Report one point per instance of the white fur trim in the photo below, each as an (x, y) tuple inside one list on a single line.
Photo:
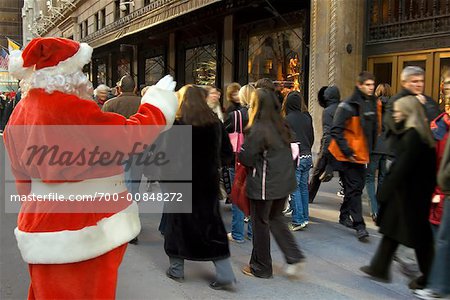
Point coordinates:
[(166, 101), (69, 246), (71, 65), (15, 65)]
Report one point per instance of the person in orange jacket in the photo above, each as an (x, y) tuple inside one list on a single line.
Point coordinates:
[(355, 128)]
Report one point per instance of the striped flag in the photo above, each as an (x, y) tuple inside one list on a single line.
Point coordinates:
[(12, 45), (4, 59)]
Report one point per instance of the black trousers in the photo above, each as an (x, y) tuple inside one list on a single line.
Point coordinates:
[(267, 217), (315, 182), (353, 178), (382, 260)]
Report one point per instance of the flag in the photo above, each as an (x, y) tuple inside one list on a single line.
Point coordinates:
[(4, 59), (12, 45)]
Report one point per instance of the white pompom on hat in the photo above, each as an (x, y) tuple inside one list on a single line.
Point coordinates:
[(52, 56)]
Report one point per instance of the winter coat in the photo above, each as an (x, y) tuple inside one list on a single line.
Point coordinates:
[(355, 128), (300, 123), (126, 104), (440, 128), (232, 107), (201, 235), (431, 109), (229, 122), (405, 194), (444, 171), (331, 99), (271, 171)]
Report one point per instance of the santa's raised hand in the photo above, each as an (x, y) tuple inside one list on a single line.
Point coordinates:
[(162, 95)]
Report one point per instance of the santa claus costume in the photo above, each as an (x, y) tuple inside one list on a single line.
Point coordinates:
[(74, 255)]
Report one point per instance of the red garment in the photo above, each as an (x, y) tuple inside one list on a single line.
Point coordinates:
[(436, 209), (90, 279)]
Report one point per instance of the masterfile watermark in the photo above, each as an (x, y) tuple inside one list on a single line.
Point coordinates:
[(61, 169)]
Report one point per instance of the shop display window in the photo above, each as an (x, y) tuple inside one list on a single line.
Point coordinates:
[(276, 55), (201, 65)]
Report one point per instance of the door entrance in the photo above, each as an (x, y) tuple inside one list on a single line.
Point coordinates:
[(435, 63)]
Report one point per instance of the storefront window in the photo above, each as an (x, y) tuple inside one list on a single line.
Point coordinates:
[(124, 65), (277, 56), (100, 71), (201, 65), (154, 69)]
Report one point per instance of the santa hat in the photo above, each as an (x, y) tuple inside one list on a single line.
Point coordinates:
[(52, 56)]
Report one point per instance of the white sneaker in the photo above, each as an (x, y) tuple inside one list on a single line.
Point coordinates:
[(427, 294), (292, 271), (287, 209), (288, 213)]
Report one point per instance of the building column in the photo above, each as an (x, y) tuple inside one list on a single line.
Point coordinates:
[(227, 50), (336, 51)]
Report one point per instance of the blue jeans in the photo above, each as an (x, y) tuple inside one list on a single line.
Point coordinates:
[(300, 198), (377, 162), (237, 219), (439, 279)]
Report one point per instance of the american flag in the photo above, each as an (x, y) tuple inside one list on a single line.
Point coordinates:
[(4, 59)]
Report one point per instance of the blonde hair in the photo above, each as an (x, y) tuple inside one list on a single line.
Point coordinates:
[(383, 90), (231, 88), (415, 117), (245, 94)]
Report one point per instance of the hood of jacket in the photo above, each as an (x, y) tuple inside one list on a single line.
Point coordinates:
[(293, 102), (332, 95)]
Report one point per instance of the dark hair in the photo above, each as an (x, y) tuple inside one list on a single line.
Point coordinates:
[(296, 97), (193, 109), (127, 84), (321, 96), (266, 83), (364, 76), (265, 117)]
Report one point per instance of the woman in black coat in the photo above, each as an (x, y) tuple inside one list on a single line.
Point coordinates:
[(270, 179), (405, 194), (201, 235)]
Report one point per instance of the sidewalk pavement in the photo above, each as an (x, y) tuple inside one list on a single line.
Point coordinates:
[(333, 255)]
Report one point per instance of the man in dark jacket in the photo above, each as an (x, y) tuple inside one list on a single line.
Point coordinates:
[(323, 170), (354, 135), (412, 81), (127, 103)]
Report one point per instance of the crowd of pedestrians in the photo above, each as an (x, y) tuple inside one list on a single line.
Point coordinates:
[(369, 139), (395, 146)]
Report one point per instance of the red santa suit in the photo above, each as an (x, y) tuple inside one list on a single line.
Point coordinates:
[(74, 255)]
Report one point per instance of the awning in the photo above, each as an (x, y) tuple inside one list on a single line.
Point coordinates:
[(141, 20)]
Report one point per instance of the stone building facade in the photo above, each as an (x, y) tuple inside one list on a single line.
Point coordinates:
[(300, 44)]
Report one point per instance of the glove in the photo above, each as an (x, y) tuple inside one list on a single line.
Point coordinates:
[(166, 83), (162, 96)]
